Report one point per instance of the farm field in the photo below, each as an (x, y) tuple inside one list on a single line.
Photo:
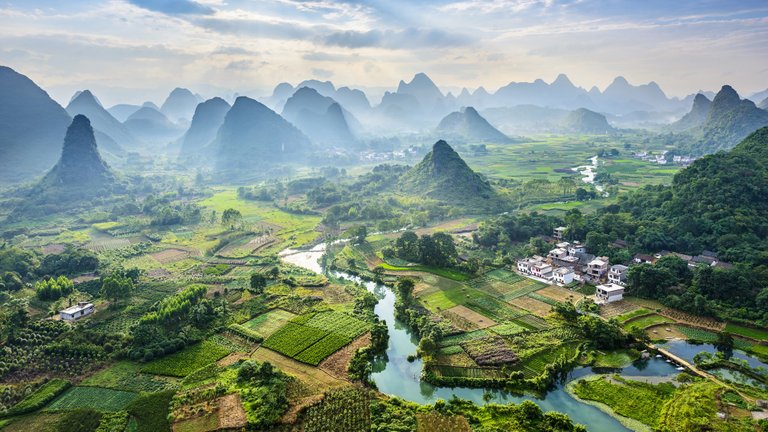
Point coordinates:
[(645, 321), (560, 294), (313, 337), (532, 305), (127, 376), (315, 379), (186, 361), (749, 332), (465, 314), (96, 398), (267, 323)]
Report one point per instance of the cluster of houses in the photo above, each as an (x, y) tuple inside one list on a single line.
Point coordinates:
[(569, 262), (664, 158)]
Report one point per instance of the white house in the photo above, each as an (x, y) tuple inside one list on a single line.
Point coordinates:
[(78, 311), (576, 248), (608, 293), (558, 253), (597, 267), (559, 232), (618, 274), (563, 276), (542, 270)]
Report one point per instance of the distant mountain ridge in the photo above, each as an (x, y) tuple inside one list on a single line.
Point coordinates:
[(85, 103), (729, 120), (584, 121), (252, 135), (320, 117), (468, 124), (208, 118), (32, 126)]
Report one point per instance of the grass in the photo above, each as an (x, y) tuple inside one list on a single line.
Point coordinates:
[(749, 332), (636, 400), (188, 360), (149, 412), (615, 359), (127, 376), (440, 271), (269, 322), (95, 398), (629, 315), (646, 321)]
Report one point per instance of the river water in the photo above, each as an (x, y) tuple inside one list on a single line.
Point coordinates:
[(588, 172), (396, 376)]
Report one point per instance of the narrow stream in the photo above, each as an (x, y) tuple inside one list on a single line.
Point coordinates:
[(396, 376)]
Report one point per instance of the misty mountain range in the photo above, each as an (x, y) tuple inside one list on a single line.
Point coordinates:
[(317, 116)]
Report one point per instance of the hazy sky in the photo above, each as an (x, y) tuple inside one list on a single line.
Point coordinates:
[(133, 50)]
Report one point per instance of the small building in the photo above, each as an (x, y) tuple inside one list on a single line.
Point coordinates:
[(542, 270), (526, 265), (703, 259), (576, 249), (608, 293), (618, 274), (567, 261), (645, 259), (597, 267), (563, 276), (78, 311), (557, 253), (559, 232)]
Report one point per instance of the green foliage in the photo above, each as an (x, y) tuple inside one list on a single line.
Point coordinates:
[(117, 287), (80, 420), (633, 399), (231, 218), (436, 250), (187, 361), (346, 409), (40, 397), (151, 412), (172, 309), (96, 398), (54, 288)]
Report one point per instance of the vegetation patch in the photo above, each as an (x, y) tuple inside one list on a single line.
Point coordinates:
[(40, 397), (96, 398), (646, 321), (188, 360), (269, 322), (127, 376)]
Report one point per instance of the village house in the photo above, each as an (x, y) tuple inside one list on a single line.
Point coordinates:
[(618, 274), (559, 232), (644, 259), (576, 249), (608, 293), (557, 253), (563, 276), (542, 270), (78, 311), (597, 267), (524, 265)]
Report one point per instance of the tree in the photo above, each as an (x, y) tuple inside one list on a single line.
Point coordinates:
[(358, 234), (405, 289), (258, 283), (724, 344), (231, 218), (117, 287)]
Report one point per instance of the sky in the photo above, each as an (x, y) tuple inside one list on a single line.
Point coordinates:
[(129, 51)]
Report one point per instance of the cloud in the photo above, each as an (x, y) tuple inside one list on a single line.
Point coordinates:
[(396, 39), (240, 65), (322, 73), (323, 56), (253, 27), (174, 7)]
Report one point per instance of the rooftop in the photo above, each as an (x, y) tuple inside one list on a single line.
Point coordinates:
[(76, 308), (609, 288)]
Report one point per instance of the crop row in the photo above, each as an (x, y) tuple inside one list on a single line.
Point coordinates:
[(318, 351), (293, 338), (338, 323), (96, 398)]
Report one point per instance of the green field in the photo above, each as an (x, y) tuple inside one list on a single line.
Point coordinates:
[(440, 271), (269, 322), (293, 339), (646, 321), (474, 299), (95, 398), (188, 360), (127, 376), (750, 332)]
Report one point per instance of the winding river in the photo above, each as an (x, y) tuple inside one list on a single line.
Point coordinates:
[(396, 376)]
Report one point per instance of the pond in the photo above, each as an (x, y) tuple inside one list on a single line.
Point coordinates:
[(687, 350), (396, 376)]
